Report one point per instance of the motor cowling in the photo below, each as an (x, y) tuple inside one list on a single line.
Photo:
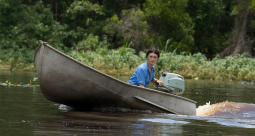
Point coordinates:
[(172, 83)]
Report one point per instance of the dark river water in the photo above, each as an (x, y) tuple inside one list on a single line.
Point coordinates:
[(223, 108)]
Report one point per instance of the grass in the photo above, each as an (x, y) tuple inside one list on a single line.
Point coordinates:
[(18, 66), (114, 62), (16, 60), (124, 61)]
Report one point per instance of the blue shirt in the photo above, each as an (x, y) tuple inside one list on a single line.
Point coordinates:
[(142, 75)]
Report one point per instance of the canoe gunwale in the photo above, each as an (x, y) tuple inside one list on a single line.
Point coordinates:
[(148, 89)]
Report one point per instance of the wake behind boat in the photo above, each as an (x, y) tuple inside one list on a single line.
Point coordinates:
[(65, 80)]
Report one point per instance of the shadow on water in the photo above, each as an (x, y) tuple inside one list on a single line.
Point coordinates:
[(108, 123)]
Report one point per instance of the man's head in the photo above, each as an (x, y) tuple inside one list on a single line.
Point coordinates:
[(152, 56), (153, 50)]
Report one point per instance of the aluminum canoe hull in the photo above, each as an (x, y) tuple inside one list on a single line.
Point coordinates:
[(67, 81)]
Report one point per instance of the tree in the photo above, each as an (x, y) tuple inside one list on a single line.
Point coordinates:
[(131, 26), (168, 19), (241, 41), (213, 24), (22, 26), (83, 18)]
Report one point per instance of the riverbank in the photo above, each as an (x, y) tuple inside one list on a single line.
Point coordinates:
[(18, 67), (123, 62)]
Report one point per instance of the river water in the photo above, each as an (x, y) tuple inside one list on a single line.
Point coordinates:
[(223, 108)]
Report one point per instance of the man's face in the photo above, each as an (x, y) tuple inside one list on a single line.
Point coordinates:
[(152, 58)]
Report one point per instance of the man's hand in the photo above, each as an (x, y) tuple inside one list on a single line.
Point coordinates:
[(156, 80), (141, 85), (160, 83)]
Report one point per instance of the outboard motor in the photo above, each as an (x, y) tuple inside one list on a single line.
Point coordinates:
[(172, 83)]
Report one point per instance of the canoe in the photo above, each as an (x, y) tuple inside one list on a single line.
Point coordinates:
[(67, 81)]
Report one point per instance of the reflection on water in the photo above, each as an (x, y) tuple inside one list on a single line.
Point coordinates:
[(75, 123), (169, 121), (25, 111), (108, 123)]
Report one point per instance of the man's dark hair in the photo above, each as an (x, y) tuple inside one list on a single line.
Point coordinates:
[(152, 50)]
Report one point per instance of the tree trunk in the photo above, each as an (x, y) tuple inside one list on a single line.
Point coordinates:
[(237, 42)]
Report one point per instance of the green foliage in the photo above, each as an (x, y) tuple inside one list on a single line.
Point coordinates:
[(24, 27), (252, 6), (165, 48), (118, 61), (84, 7), (213, 25), (8, 82), (114, 62), (131, 25), (92, 43), (125, 46), (83, 17), (103, 32), (31, 24), (159, 21), (168, 19), (116, 6), (251, 27)]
